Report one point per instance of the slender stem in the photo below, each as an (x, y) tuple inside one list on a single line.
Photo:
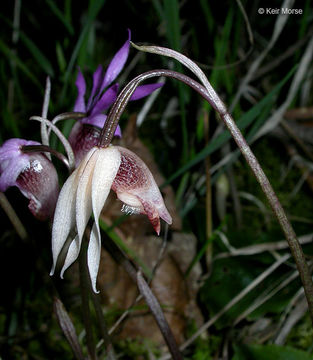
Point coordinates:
[(62, 138), (154, 270), (103, 328), (68, 115), (44, 113), (85, 292), (118, 107), (44, 148), (209, 94), (68, 328), (291, 237), (15, 220), (15, 38), (208, 198), (159, 317), (231, 303)]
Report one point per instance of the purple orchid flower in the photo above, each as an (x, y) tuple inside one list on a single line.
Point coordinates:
[(85, 133), (34, 175)]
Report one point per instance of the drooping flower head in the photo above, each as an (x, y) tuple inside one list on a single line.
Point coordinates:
[(86, 191), (85, 133), (32, 173)]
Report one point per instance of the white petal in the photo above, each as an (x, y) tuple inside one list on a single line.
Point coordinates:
[(83, 195), (72, 254), (106, 168), (64, 216), (93, 256)]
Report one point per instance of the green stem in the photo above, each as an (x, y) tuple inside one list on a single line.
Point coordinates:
[(15, 220), (103, 328), (85, 292)]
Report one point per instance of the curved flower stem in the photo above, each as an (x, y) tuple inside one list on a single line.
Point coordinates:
[(68, 115), (62, 138), (118, 107), (209, 94), (44, 113), (45, 149)]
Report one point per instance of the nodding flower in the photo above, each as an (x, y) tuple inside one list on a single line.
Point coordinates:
[(85, 192), (33, 173), (85, 132)]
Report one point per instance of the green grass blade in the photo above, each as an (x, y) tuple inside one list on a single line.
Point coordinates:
[(171, 12), (220, 140), (19, 63), (95, 7), (63, 18), (37, 54), (221, 45), (158, 8), (172, 19)]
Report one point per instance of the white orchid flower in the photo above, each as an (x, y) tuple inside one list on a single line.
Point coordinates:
[(86, 191)]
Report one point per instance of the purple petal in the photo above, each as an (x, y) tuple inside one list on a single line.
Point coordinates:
[(96, 120), (106, 100), (80, 83), (97, 79), (118, 132), (32, 173), (12, 147), (117, 64), (145, 90), (99, 120), (12, 161), (12, 171)]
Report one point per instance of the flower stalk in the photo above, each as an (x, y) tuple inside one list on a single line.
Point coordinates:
[(47, 149), (62, 138), (209, 94), (85, 292)]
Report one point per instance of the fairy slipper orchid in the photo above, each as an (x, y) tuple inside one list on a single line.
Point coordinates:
[(33, 174), (85, 132), (85, 192)]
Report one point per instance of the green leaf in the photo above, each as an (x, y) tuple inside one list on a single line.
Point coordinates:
[(60, 57), (269, 352), (171, 12), (63, 18), (19, 63), (221, 47), (37, 54), (94, 8), (229, 276)]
